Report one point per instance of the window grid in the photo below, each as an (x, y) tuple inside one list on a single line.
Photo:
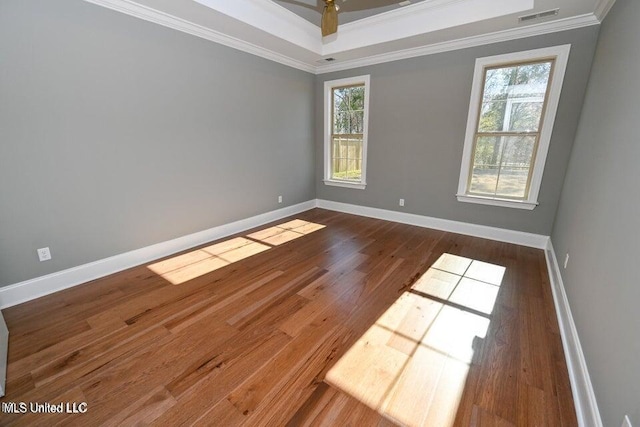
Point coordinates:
[(506, 125), (348, 138)]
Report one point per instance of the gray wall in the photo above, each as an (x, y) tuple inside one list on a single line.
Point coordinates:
[(117, 133), (417, 122), (598, 221)]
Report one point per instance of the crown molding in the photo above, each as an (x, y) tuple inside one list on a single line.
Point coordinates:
[(602, 8), (420, 18), (271, 18), (153, 15), (416, 19), (484, 39), (136, 10)]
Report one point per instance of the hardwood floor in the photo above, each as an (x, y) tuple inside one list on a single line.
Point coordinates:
[(320, 319)]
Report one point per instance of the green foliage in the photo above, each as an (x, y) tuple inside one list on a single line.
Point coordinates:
[(352, 174), (512, 102), (348, 104)]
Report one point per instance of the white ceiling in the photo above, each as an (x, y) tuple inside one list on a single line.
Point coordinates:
[(385, 33)]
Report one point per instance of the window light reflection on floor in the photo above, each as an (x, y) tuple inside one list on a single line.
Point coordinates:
[(196, 263), (286, 232), (411, 365)]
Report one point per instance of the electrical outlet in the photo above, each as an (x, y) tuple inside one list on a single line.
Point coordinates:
[(566, 260), (401, 203), (279, 199), (626, 422), (44, 254)]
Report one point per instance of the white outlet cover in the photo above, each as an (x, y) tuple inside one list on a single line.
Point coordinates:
[(44, 254), (401, 203)]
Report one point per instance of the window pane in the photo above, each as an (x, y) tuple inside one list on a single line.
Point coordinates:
[(348, 110), (501, 165), (342, 123), (352, 149), (356, 120), (339, 147), (496, 83), (347, 158), (484, 176), (340, 99), (492, 116), (357, 98), (353, 170), (513, 98), (525, 115), (514, 171), (340, 168)]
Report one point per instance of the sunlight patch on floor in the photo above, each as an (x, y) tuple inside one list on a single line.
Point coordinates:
[(286, 232), (469, 283), (196, 263), (412, 364)]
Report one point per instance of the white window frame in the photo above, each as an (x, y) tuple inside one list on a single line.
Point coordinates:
[(561, 56), (328, 126)]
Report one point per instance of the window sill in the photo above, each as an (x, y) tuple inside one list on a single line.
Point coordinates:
[(505, 203), (346, 184)]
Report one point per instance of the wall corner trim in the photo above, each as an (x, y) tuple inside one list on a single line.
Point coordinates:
[(40, 286), (492, 233), (583, 394), (602, 8)]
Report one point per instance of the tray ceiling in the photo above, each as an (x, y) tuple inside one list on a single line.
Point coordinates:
[(380, 32)]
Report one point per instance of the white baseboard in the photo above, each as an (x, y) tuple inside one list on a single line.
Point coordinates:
[(44, 285), (583, 395), (538, 241)]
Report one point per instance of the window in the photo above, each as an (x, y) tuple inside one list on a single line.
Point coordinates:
[(346, 112), (514, 100)]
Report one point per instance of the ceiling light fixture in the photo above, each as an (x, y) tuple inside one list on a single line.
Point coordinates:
[(329, 23)]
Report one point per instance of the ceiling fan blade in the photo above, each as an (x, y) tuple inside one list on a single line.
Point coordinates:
[(329, 22)]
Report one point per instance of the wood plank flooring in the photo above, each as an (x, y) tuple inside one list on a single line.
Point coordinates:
[(319, 319)]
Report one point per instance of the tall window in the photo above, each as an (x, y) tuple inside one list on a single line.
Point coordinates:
[(513, 105), (346, 117)]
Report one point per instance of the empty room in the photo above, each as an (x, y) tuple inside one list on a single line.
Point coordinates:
[(319, 213)]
